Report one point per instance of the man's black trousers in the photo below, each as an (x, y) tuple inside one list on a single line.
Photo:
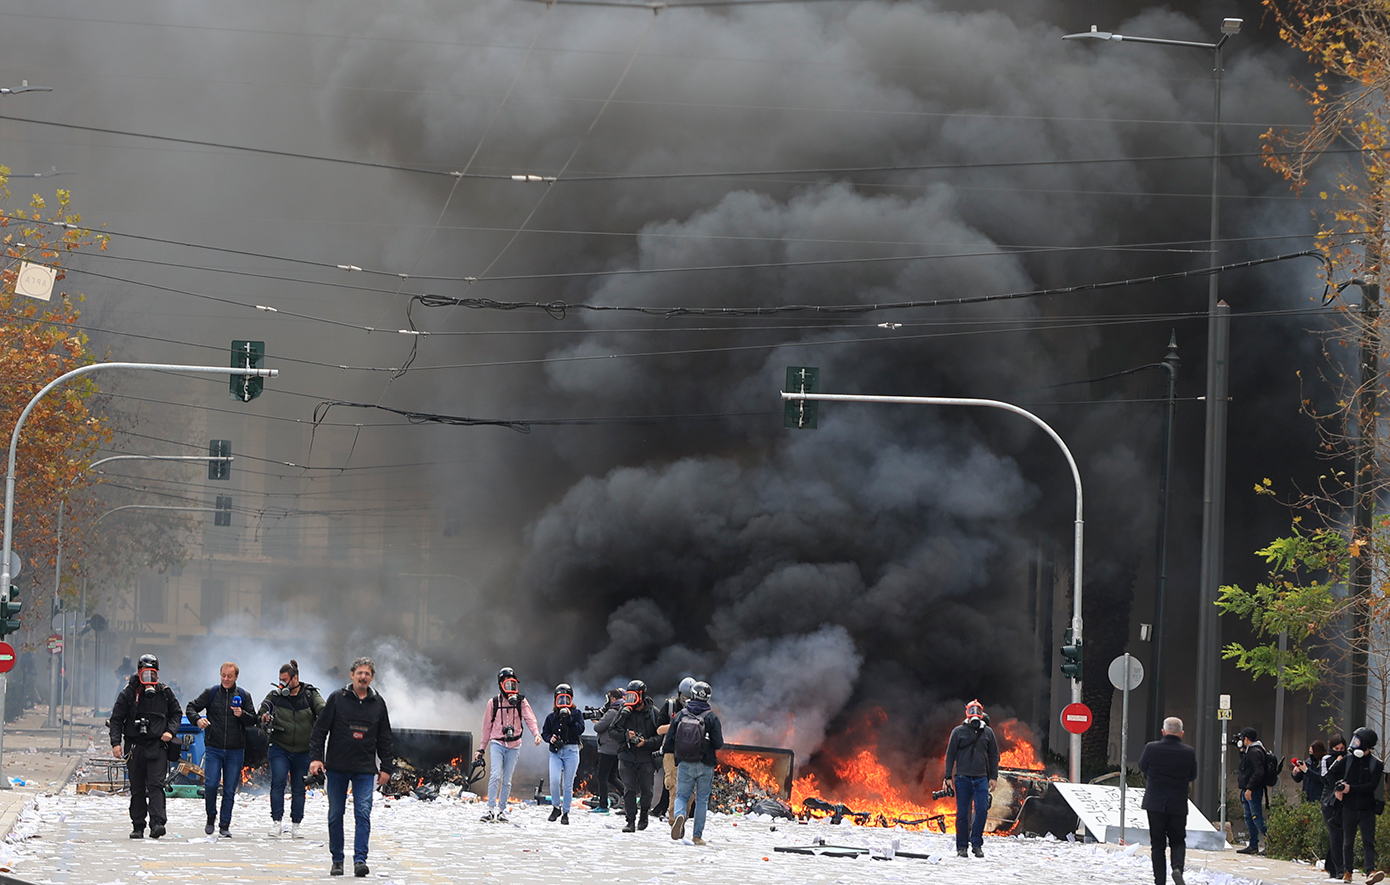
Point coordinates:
[(1167, 831), (147, 766), (637, 781)]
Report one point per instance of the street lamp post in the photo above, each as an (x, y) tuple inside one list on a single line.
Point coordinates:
[(1214, 450), (1074, 749), (6, 544)]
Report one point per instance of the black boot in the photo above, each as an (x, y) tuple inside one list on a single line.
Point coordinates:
[(554, 814), (629, 828), (137, 831)]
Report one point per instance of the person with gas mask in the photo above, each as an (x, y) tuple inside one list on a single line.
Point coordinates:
[(506, 714), (562, 731), (1356, 777), (972, 756), (288, 714), (664, 716), (636, 762), (224, 713), (610, 743), (144, 720)]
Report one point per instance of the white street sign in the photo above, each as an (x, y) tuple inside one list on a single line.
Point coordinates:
[(1118, 676)]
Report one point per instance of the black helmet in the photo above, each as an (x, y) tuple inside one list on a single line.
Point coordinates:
[(148, 662), (701, 691), (1363, 740), (504, 673), (636, 693), (564, 695)]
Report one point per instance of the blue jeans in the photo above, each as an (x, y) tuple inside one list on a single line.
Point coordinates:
[(362, 786), (696, 777), (1254, 814), (291, 767), (563, 765), (221, 767), (970, 827), (501, 763)]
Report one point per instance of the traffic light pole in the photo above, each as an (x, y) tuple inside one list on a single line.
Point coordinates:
[(1074, 748), (7, 544)]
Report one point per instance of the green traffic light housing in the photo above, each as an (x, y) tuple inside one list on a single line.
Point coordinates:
[(1071, 656), (247, 355), (9, 612)]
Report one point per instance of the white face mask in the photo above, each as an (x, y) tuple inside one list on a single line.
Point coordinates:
[(1358, 753)]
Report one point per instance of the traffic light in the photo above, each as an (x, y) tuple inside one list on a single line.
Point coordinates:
[(247, 355), (9, 612), (801, 414), (219, 459), (1071, 656), (223, 514)]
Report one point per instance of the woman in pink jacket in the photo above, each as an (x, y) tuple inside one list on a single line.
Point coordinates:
[(503, 720)]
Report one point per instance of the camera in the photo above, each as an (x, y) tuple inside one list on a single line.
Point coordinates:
[(593, 713), (143, 725), (948, 793), (315, 780), (508, 732)]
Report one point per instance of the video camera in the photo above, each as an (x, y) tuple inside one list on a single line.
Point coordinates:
[(593, 714), (948, 793)]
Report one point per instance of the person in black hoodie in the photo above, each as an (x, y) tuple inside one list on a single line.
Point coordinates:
[(1356, 776), (973, 756), (357, 728), (636, 764), (1332, 807), (1250, 779), (223, 712), (561, 730), (696, 751), (145, 718)]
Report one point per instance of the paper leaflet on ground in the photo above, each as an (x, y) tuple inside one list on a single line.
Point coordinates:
[(1099, 810)]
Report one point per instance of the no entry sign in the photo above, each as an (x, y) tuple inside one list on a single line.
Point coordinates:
[(1076, 718), (7, 657)]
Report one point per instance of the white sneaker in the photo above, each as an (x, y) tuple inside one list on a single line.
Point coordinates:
[(294, 832), (276, 828)]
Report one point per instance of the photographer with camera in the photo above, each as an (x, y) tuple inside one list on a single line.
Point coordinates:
[(144, 719), (1332, 807), (503, 721), (562, 731), (224, 714), (1250, 779), (636, 760), (973, 755), (289, 713), (1358, 780), (610, 742)]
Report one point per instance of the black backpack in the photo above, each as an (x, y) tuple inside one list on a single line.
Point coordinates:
[(1273, 767), (689, 742)]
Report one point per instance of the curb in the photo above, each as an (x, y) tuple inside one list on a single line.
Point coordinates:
[(11, 816)]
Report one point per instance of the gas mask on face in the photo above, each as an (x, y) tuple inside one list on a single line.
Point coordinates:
[(631, 698), (975, 715), (511, 687), (280, 688), (149, 679)]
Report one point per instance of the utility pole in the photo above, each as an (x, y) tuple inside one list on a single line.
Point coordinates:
[(1365, 486), (1157, 699)]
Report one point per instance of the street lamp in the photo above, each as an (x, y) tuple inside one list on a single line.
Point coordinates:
[(1214, 450)]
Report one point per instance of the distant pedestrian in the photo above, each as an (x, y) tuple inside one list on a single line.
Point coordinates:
[(694, 740), (1168, 766), (1250, 779), (289, 713), (357, 729), (636, 762), (973, 755), (144, 720), (610, 741), (1355, 778), (1307, 771), (562, 730), (1332, 808), (507, 714), (224, 713)]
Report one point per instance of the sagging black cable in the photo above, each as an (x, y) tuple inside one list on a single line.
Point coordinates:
[(559, 309), (322, 409)]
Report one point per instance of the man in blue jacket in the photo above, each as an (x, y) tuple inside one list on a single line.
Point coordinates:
[(973, 755), (694, 740), (223, 712), (1168, 766)]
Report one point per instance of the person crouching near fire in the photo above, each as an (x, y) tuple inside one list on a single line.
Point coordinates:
[(973, 756), (503, 721), (562, 729)]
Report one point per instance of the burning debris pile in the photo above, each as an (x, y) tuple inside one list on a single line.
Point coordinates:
[(742, 779), (407, 780)]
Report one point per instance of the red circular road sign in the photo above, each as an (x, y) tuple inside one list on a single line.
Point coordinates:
[(7, 657), (1076, 718)]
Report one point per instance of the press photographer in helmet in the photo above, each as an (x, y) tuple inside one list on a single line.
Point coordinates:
[(1359, 779), (506, 714), (562, 729), (636, 762), (145, 718), (973, 756)]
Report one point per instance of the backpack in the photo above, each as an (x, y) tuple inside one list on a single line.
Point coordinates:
[(1273, 767), (689, 743)]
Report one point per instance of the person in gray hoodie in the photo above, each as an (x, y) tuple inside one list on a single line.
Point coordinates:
[(973, 756), (610, 742)]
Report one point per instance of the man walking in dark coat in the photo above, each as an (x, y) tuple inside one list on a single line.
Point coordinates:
[(1168, 766), (224, 712), (1250, 779), (973, 756), (144, 720)]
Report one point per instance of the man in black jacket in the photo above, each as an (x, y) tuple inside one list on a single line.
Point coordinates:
[(973, 755), (1250, 778), (223, 712), (1168, 766), (636, 764), (145, 718), (357, 728), (695, 759), (1356, 776)]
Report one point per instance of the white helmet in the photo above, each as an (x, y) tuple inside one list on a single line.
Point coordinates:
[(686, 685)]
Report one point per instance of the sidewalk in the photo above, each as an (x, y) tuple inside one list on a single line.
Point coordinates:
[(33, 755)]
